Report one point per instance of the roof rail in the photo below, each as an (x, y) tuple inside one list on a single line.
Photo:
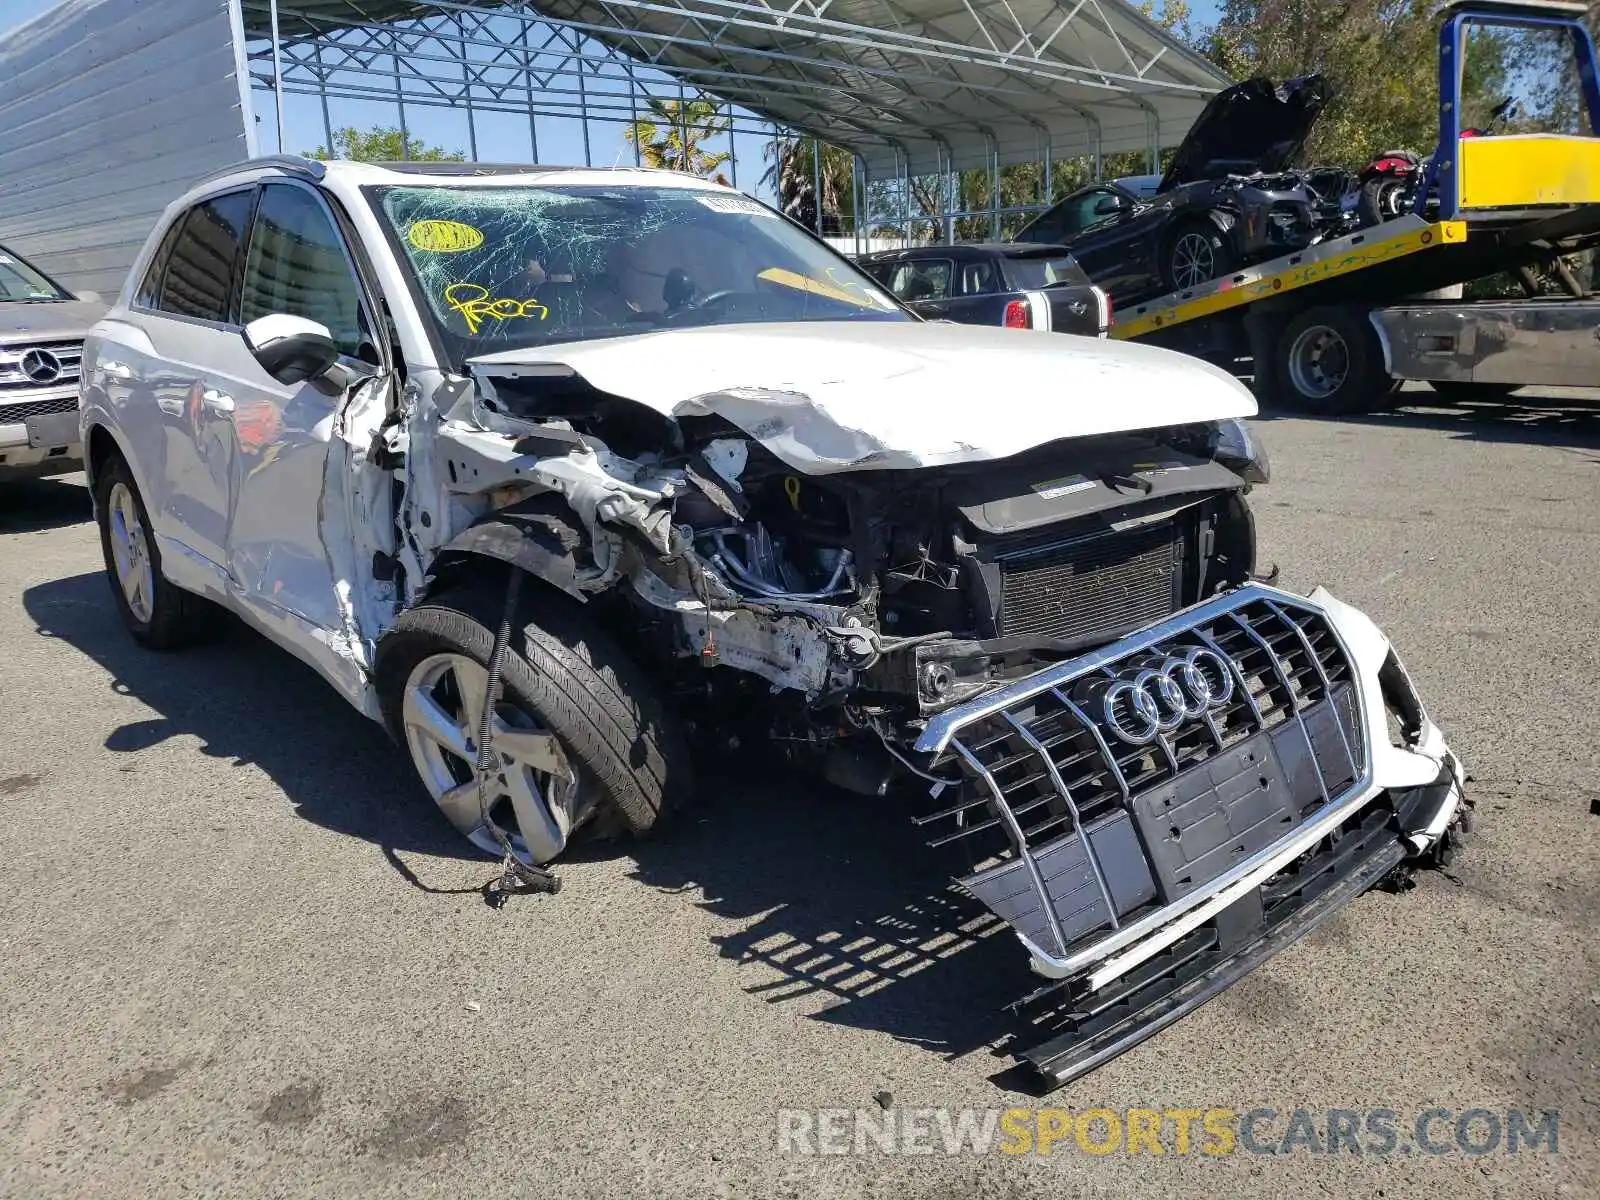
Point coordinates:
[(293, 164)]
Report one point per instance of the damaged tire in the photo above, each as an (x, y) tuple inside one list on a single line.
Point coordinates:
[(159, 615), (580, 732)]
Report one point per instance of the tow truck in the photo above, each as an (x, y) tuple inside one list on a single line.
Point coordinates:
[(1336, 328)]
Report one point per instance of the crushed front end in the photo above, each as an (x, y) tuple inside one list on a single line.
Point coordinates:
[(1158, 816)]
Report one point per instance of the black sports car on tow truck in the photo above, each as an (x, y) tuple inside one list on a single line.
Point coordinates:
[(1227, 200)]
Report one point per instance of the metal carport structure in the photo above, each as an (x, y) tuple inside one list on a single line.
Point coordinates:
[(108, 108), (910, 87)]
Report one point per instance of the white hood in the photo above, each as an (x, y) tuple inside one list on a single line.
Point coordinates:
[(857, 395)]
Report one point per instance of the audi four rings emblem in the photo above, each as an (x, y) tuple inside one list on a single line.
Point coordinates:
[(1156, 699), (40, 366)]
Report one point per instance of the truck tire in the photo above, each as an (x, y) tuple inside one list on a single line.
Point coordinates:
[(1328, 362), (624, 755), (1461, 389), (159, 614), (1196, 252)]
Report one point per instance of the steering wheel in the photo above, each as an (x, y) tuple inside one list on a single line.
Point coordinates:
[(703, 302)]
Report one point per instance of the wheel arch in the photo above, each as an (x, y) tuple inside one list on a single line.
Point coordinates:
[(540, 536), (100, 445)]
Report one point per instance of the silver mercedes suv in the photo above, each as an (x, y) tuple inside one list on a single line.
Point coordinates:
[(42, 326)]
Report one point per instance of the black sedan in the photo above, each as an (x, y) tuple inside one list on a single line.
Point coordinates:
[(1226, 201), (994, 283)]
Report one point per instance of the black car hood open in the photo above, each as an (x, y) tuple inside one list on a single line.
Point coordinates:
[(1254, 126)]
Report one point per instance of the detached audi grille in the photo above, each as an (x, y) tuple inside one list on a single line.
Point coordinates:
[(1141, 772), (1105, 583)]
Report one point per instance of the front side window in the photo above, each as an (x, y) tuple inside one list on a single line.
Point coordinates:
[(296, 264), (199, 275), (507, 267), (22, 281)]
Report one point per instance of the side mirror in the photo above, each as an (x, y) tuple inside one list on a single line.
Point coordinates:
[(1107, 205), (291, 349), (88, 297)]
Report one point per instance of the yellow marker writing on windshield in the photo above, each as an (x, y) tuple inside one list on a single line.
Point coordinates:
[(473, 302), (443, 237), (791, 489)]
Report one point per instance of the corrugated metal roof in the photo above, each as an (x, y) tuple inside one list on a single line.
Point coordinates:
[(904, 83), (108, 110)]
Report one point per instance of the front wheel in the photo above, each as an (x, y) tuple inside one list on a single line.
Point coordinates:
[(579, 732)]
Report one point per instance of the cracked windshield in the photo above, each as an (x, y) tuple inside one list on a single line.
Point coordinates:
[(504, 268)]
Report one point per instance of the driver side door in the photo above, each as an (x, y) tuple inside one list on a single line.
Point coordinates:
[(296, 262), (1110, 242)]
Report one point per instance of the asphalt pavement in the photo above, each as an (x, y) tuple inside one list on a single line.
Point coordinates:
[(240, 955)]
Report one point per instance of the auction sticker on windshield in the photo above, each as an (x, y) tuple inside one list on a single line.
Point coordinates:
[(735, 204)]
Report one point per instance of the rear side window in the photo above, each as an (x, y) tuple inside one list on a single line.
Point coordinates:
[(924, 279), (978, 278), (1030, 273), (199, 274), (297, 265), (149, 294)]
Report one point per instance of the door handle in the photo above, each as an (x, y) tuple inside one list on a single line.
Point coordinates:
[(117, 370), (217, 402)]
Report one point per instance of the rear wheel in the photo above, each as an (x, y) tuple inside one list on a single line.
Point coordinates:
[(1328, 362), (1461, 389), (157, 614), (1197, 253), (1383, 198), (579, 732)]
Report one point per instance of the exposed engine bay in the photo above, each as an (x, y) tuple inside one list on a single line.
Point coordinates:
[(874, 598)]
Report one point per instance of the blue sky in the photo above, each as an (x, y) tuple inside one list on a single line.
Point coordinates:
[(500, 137)]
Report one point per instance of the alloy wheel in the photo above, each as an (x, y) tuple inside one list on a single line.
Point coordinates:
[(1194, 260), (130, 551), (531, 792)]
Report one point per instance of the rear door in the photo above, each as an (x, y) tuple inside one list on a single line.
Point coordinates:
[(176, 416), (979, 293)]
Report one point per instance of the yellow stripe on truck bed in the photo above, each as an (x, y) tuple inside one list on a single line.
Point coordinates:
[(1339, 257)]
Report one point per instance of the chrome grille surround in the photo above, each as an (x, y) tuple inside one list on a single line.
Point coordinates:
[(67, 355), (1079, 873)]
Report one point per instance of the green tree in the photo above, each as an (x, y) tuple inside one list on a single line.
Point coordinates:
[(382, 144), (1379, 58), (793, 173), (673, 137)]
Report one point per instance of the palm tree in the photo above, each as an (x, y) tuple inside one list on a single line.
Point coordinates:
[(673, 137), (792, 173)]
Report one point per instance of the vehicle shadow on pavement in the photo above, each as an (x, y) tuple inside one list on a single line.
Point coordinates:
[(1527, 417), (37, 505), (844, 909), (833, 896), (246, 700)]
